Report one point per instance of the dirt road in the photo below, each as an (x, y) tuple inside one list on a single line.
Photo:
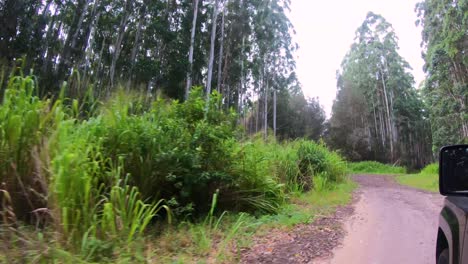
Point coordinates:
[(386, 224), (390, 224)]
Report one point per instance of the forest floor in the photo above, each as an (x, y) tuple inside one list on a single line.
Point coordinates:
[(385, 223)]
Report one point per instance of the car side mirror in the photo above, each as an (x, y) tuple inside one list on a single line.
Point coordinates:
[(453, 170)]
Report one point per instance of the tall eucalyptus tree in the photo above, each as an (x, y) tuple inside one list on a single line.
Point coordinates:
[(378, 114), (445, 40), (192, 43)]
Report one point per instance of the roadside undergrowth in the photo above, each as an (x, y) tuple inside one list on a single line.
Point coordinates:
[(427, 179), (374, 167), (231, 234), (96, 181)]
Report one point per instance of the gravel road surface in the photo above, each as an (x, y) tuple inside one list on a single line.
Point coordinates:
[(390, 224)]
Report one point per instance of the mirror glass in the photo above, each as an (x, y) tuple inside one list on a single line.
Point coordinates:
[(454, 170)]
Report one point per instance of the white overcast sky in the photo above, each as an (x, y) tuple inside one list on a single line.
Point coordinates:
[(325, 30)]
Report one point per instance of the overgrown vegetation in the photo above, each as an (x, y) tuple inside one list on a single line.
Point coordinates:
[(88, 182), (427, 179), (374, 167)]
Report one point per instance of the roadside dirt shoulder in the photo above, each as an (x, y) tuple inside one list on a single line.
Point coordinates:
[(304, 243)]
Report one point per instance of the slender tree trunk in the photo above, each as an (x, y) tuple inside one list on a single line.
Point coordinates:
[(265, 111), (239, 105), (220, 59), (382, 130), (257, 115), (228, 102), (49, 28), (241, 88), (70, 41), (80, 24), (389, 125), (212, 48), (274, 113), (99, 63), (118, 43), (192, 43), (90, 39), (73, 48), (136, 44), (392, 113), (251, 120), (376, 128), (225, 70), (46, 47)]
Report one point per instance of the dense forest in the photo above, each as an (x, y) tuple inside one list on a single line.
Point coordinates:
[(379, 114), (241, 48), (119, 117)]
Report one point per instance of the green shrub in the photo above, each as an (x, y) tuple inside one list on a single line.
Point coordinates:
[(431, 169), (374, 167), (171, 151), (315, 159), (177, 152), (293, 164)]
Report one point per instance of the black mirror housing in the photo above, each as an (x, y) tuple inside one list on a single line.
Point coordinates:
[(453, 170)]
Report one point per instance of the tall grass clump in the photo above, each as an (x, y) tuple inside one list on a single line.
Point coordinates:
[(93, 200), (298, 166), (319, 167), (284, 163), (258, 185), (26, 122), (375, 167), (53, 174)]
